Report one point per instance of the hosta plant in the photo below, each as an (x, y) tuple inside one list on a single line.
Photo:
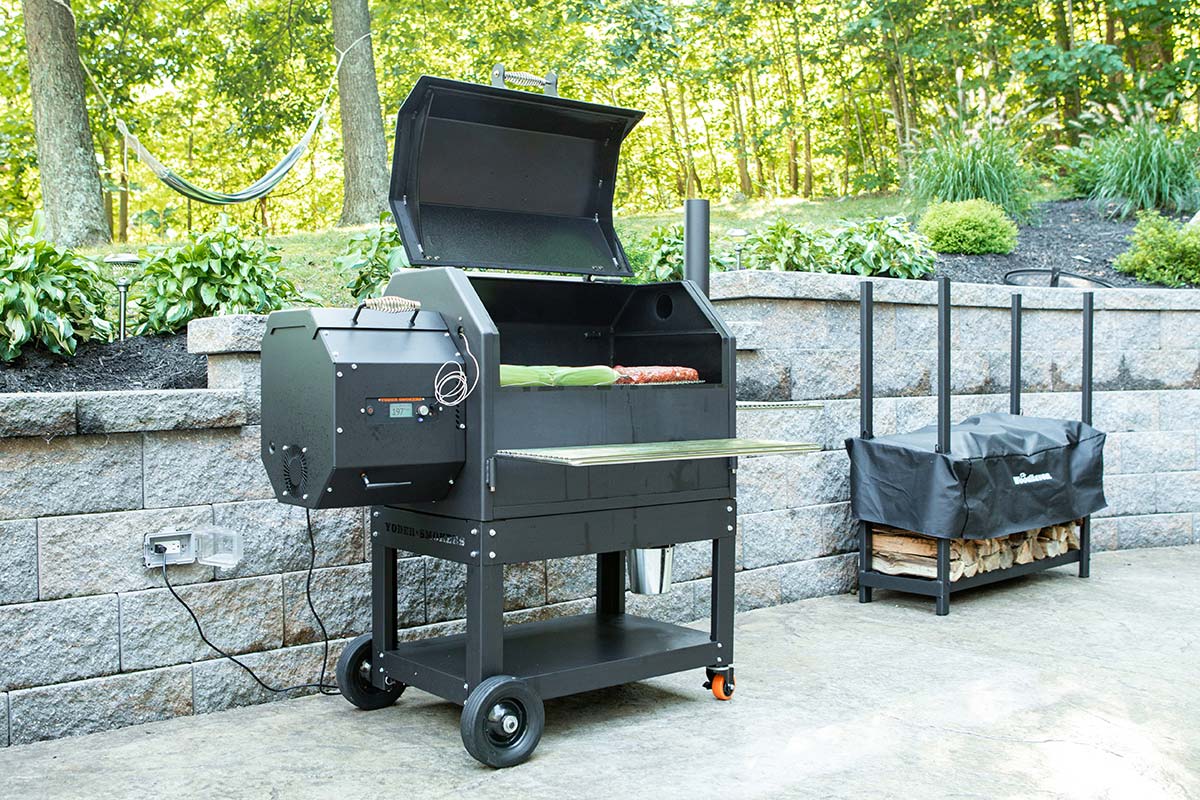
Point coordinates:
[(371, 257), (50, 297), (215, 272)]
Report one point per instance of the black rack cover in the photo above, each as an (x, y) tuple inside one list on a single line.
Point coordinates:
[(507, 179), (1004, 474)]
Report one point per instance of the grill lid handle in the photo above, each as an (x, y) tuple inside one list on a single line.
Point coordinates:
[(389, 304), (548, 84)]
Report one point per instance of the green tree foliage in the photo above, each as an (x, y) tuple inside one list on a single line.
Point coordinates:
[(216, 272), (1162, 251), (744, 98), (968, 226), (49, 296)]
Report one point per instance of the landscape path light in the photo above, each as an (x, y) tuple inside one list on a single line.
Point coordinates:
[(123, 283), (739, 237)]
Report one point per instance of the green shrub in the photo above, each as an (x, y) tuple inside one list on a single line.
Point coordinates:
[(1162, 251), (664, 260), (371, 257), (216, 272), (888, 247), (1144, 166), (786, 246), (968, 226), (964, 163), (49, 296)]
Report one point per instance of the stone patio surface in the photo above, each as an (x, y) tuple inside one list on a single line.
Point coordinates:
[(1048, 686)]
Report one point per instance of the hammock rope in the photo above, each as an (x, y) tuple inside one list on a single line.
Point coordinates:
[(256, 190)]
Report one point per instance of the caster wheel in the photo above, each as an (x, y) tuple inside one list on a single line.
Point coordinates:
[(721, 682), (354, 677), (502, 721)]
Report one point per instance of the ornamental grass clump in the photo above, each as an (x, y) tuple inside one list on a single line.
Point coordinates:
[(1145, 166), (970, 227), (961, 162), (50, 297)]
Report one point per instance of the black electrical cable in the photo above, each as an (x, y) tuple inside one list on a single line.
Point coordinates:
[(320, 685)]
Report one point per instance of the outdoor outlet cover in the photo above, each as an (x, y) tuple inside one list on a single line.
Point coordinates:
[(181, 548)]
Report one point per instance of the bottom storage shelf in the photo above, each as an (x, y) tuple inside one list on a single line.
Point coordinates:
[(905, 553), (560, 656)]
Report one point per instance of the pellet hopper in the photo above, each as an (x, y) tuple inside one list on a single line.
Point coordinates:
[(403, 404)]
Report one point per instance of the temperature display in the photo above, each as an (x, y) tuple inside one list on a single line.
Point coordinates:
[(400, 410)]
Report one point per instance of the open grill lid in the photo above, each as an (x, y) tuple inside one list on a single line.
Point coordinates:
[(507, 179)]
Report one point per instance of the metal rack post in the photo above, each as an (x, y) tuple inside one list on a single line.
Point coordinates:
[(943, 366), (866, 404), (1085, 530), (1014, 366)]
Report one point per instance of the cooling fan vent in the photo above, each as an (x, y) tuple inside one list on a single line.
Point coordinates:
[(295, 470)]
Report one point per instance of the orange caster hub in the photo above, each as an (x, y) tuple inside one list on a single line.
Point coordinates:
[(721, 683)]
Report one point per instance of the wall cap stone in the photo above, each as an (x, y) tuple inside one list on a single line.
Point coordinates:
[(159, 410), (770, 284), (37, 414), (230, 333)]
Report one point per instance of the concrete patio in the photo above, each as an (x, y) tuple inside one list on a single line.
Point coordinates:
[(1047, 686)]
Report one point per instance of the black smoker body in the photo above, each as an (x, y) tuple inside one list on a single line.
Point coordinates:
[(491, 177), (990, 475)]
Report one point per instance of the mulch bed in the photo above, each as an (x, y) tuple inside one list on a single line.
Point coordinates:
[(139, 362), (1072, 235)]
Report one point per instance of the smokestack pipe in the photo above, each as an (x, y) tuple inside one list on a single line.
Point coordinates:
[(695, 243)]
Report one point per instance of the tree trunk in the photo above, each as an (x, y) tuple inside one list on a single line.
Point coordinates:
[(70, 181), (364, 149), (739, 132), (693, 188), (123, 201)]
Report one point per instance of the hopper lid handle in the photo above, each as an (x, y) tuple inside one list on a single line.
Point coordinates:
[(548, 84), (389, 304)]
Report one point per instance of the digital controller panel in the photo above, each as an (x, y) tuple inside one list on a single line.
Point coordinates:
[(388, 409)]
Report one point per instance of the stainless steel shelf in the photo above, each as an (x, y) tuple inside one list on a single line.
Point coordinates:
[(647, 452)]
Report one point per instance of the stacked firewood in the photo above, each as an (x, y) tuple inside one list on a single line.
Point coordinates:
[(899, 552)]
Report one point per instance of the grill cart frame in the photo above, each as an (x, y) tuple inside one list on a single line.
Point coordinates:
[(494, 178), (942, 587)]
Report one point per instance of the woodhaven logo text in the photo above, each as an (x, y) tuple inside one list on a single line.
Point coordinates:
[(1038, 477)]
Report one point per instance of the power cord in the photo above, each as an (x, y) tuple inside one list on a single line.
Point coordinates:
[(320, 685)]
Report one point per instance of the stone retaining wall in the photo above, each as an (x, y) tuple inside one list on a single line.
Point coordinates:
[(90, 640)]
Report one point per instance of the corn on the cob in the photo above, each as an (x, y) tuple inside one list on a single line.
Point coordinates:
[(597, 375), (518, 375)]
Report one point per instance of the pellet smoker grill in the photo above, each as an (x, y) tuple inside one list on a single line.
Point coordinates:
[(399, 405)]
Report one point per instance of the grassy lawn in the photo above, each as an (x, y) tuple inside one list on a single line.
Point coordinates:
[(308, 257)]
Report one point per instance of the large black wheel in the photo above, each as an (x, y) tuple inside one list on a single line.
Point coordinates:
[(502, 721), (354, 677)]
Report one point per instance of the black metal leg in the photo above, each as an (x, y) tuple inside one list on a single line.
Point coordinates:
[(383, 602), (485, 622), (1085, 548), (723, 568), (864, 560), (943, 577), (610, 583)]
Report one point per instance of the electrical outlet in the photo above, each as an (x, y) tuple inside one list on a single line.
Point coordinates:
[(179, 545)]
